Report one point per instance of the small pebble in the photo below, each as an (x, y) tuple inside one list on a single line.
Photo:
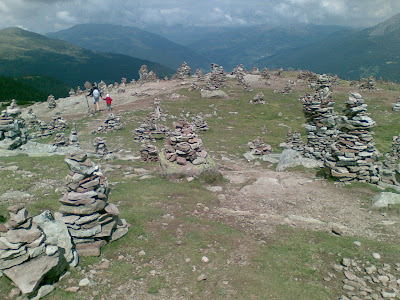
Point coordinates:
[(205, 259), (357, 243), (201, 277), (376, 255), (120, 257), (187, 260), (153, 273), (142, 253), (72, 289), (84, 282)]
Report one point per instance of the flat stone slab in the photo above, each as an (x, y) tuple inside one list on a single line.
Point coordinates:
[(217, 94), (384, 199)]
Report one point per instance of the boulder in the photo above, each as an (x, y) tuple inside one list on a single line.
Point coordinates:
[(216, 94), (384, 199)]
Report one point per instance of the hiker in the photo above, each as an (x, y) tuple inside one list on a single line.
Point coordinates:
[(94, 91), (108, 99)]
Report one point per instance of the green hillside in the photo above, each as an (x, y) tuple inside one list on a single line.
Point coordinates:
[(131, 41), (31, 88), (26, 53)]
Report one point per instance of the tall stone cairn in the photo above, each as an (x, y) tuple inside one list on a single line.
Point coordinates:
[(258, 99), (321, 125), (148, 152), (258, 147), (389, 170), (368, 83), (12, 128), (396, 106), (183, 146), (111, 123), (352, 157), (51, 101), (183, 71), (265, 74), (199, 124), (217, 78), (145, 75), (90, 219), (100, 146)]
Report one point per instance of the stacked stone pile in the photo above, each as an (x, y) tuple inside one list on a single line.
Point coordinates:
[(265, 75), (183, 146), (112, 123), (34, 251), (100, 146), (388, 168), (396, 106), (279, 73), (217, 78), (57, 123), (73, 138), (193, 86), (307, 75), (295, 141), (150, 130), (91, 221), (51, 101), (352, 157), (148, 152), (368, 83), (258, 99), (145, 75), (199, 124), (365, 280), (88, 86), (258, 147), (12, 128), (79, 91), (60, 140), (255, 71), (72, 92), (321, 125), (103, 87), (31, 120), (324, 86), (288, 88), (183, 71)]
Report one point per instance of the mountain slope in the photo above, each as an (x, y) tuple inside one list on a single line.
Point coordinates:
[(247, 44), (131, 41), (27, 53), (373, 51)]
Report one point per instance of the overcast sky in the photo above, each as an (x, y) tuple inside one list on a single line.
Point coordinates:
[(44, 16)]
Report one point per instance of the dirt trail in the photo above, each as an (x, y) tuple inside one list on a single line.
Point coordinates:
[(265, 198)]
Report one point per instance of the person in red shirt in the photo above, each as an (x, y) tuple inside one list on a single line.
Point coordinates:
[(108, 99)]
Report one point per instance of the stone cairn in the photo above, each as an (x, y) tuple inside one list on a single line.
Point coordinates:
[(279, 72), (34, 251), (148, 152), (258, 99), (255, 71), (321, 125), (388, 168), (12, 128), (294, 141), (258, 147), (183, 71), (288, 88), (73, 138), (31, 120), (145, 75), (72, 92), (112, 123), (368, 83), (103, 87), (265, 75), (396, 106), (150, 130), (60, 140), (199, 124), (199, 75), (51, 101), (352, 157), (217, 78), (307, 75), (56, 125), (91, 221), (183, 146), (193, 86), (100, 146)]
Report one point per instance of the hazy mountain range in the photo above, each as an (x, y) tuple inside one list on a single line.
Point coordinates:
[(131, 41)]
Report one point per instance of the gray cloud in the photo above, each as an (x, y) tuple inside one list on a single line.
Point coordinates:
[(52, 15)]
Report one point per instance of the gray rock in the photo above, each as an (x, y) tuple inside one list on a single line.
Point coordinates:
[(213, 94), (43, 291), (384, 199), (291, 158), (29, 275), (56, 233)]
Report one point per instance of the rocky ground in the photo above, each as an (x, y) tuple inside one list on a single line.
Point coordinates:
[(253, 199)]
